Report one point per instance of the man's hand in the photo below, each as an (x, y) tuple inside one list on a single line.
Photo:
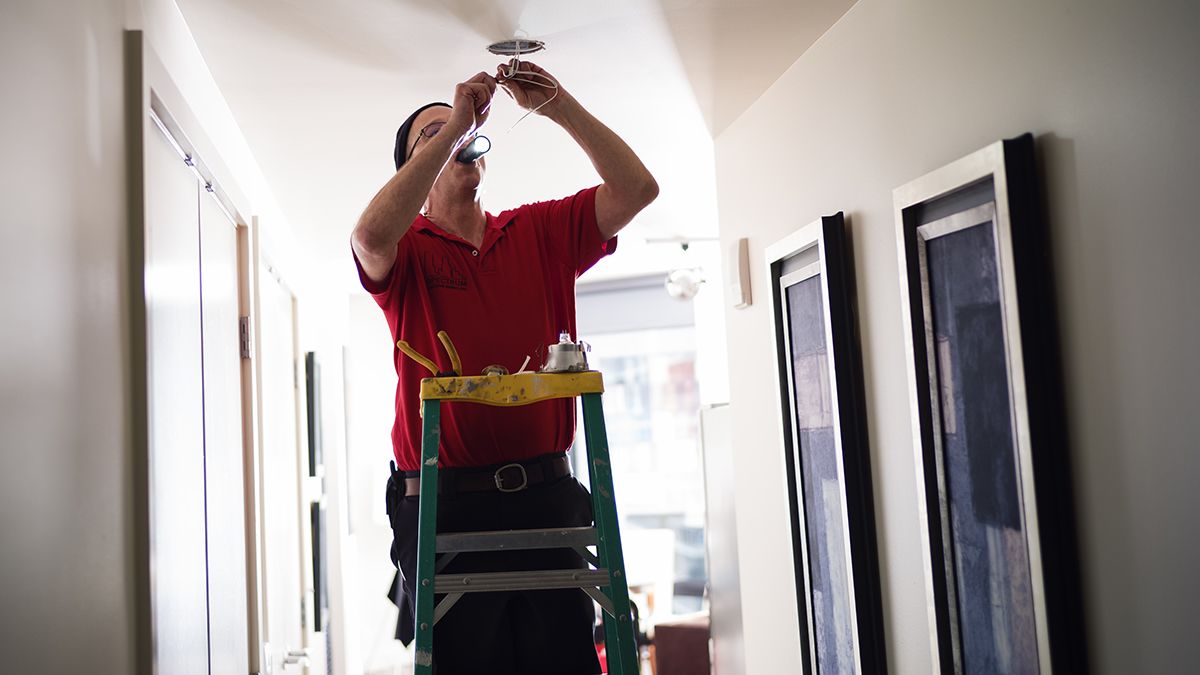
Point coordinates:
[(472, 104), (534, 91), (627, 185)]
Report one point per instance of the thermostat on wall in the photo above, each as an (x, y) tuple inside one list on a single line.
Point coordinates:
[(738, 267)]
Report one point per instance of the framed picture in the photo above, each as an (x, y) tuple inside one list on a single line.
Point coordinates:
[(825, 441), (320, 565), (312, 383), (981, 346)]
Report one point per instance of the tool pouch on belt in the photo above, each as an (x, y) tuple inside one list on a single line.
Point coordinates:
[(399, 593), (393, 496)]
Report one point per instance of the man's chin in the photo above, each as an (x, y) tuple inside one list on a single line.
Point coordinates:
[(467, 177)]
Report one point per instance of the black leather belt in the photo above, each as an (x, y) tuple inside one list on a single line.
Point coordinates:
[(512, 477)]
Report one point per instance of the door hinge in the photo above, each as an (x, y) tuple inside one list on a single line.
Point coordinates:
[(244, 336)]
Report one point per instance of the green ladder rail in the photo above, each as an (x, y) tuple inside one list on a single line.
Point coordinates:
[(604, 582)]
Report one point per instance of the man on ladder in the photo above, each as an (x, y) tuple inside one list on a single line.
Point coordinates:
[(504, 287)]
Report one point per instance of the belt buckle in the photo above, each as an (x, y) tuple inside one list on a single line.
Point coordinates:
[(500, 479)]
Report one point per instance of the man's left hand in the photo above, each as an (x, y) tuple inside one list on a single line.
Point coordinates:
[(528, 90)]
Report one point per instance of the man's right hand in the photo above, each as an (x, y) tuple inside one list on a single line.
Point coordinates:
[(472, 104)]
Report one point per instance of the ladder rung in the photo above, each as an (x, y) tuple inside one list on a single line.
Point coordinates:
[(531, 580), (516, 540)]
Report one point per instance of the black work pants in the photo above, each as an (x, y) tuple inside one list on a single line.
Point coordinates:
[(514, 632)]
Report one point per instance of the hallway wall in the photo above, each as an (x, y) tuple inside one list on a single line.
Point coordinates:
[(897, 89), (66, 562), (69, 569)]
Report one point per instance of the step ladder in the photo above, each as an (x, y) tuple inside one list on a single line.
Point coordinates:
[(604, 582)]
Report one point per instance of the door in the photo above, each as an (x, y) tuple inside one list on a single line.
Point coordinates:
[(175, 407), (223, 449), (282, 584)]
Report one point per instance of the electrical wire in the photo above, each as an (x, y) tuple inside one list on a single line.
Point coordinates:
[(514, 70)]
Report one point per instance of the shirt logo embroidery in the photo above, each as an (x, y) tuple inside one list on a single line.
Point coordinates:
[(439, 273)]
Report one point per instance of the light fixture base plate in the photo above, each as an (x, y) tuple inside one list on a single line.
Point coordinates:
[(516, 47)]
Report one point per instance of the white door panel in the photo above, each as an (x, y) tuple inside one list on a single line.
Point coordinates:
[(223, 442), (283, 590), (175, 410)]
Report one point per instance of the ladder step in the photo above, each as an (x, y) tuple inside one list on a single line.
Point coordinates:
[(516, 540), (532, 580)]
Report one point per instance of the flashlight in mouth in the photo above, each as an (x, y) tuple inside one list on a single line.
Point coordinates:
[(474, 150)]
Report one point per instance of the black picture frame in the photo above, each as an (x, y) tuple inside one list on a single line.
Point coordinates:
[(981, 344), (813, 301), (312, 385), (320, 565)]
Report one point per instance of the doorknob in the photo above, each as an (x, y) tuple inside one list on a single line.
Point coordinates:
[(295, 657)]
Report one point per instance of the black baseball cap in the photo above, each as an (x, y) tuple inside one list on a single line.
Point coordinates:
[(406, 128)]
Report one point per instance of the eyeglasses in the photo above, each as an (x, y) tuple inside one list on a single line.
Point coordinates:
[(428, 131)]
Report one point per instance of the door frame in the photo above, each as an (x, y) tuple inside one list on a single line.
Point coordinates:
[(259, 257), (152, 99)]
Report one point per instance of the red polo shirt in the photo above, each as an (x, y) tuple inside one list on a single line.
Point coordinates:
[(505, 300)]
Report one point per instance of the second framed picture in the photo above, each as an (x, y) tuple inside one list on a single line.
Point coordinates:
[(825, 443), (988, 424)]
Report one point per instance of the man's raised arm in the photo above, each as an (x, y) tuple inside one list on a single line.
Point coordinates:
[(393, 209), (628, 186)]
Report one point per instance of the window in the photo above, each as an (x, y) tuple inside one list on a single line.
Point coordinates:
[(651, 411)]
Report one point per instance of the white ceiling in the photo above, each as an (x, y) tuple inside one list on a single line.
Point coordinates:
[(319, 87)]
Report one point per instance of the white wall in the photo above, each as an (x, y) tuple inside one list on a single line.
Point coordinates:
[(898, 88), (370, 404), (66, 562), (167, 33)]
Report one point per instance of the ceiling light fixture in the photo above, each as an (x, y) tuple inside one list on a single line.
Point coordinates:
[(516, 47), (512, 72), (684, 283)]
